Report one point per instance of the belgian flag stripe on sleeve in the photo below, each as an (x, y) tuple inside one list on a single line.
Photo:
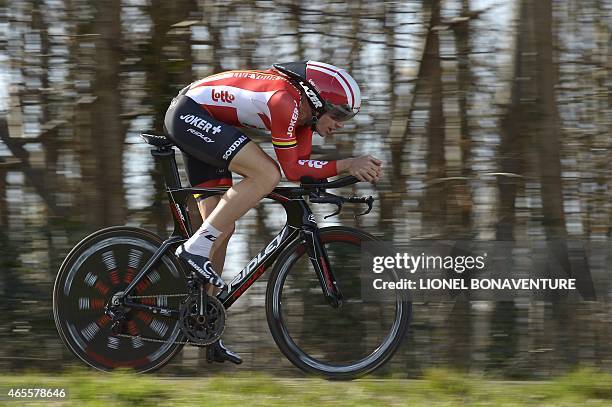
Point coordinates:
[(284, 144)]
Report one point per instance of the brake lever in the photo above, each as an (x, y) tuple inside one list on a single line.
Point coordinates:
[(339, 201), (369, 201), (339, 204)]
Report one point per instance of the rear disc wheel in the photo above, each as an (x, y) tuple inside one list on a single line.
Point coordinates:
[(100, 266)]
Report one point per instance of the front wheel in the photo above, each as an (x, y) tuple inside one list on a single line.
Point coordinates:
[(101, 265), (337, 343)]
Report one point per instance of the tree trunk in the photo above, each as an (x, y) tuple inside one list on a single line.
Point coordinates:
[(547, 127), (165, 79), (434, 199)]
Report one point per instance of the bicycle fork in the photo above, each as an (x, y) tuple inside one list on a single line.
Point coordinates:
[(318, 257)]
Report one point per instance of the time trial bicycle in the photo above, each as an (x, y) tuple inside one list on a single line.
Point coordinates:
[(122, 299)]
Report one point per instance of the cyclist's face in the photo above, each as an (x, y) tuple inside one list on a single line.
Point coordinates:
[(327, 125)]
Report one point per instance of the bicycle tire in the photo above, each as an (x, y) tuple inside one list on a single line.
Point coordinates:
[(281, 330), (75, 315)]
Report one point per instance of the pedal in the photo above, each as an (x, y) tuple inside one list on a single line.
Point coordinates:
[(117, 327)]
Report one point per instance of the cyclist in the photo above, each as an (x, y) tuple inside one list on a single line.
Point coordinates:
[(290, 101)]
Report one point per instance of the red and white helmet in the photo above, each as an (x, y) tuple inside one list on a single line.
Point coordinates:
[(328, 89)]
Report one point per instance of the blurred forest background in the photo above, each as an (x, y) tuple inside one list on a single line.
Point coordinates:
[(493, 118)]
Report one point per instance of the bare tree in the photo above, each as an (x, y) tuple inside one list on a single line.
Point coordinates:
[(434, 198)]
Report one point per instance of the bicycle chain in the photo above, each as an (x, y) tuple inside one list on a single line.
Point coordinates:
[(158, 295), (147, 339)]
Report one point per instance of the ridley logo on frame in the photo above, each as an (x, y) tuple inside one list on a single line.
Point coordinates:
[(272, 246)]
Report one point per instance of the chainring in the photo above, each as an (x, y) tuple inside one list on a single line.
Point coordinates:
[(202, 328)]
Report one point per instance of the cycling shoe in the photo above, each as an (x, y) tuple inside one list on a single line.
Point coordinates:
[(216, 352), (201, 266)]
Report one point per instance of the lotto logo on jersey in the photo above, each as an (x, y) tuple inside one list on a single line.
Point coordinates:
[(313, 163), (223, 96)]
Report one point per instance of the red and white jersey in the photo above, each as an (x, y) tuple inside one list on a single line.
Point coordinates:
[(268, 101)]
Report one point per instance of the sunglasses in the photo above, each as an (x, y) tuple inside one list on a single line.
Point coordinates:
[(340, 113)]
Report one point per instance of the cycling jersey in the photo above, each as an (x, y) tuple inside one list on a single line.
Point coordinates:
[(267, 101)]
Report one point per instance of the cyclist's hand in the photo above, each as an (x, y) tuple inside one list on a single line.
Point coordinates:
[(365, 168)]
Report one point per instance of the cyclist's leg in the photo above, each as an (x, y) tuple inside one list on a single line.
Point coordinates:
[(222, 146), (219, 249), (201, 174), (219, 145), (261, 174), (210, 145)]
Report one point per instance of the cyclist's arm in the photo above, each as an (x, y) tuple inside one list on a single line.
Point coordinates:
[(304, 142), (304, 139), (284, 111)]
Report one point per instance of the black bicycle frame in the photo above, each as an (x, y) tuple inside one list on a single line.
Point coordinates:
[(300, 226)]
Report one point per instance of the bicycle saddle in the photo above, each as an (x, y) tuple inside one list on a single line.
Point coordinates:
[(156, 140)]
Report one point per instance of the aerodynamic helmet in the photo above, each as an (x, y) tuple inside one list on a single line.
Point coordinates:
[(328, 89)]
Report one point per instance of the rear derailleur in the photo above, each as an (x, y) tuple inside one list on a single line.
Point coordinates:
[(117, 313)]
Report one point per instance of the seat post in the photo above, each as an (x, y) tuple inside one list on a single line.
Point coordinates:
[(165, 155)]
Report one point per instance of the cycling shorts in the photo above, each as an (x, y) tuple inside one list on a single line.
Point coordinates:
[(208, 145)]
